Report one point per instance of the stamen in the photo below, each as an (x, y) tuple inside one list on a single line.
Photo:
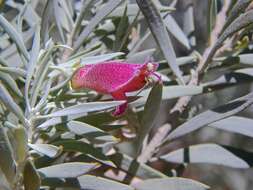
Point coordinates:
[(150, 67)]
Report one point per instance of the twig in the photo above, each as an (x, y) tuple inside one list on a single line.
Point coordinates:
[(156, 141)]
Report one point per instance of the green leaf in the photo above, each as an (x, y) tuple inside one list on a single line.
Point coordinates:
[(151, 110), (169, 92), (44, 97), (186, 60), (160, 34), (8, 101), (99, 58), (31, 177), (205, 153), (89, 60), (101, 14), (81, 128), (84, 129), (99, 183), (176, 31), (13, 70), (58, 17), (141, 56), (133, 9), (32, 64), (46, 16), (85, 148), (212, 12), (7, 162), (85, 108), (4, 185), (173, 183), (121, 31), (211, 116), (246, 59), (86, 5), (6, 78), (41, 73), (15, 36), (21, 139), (66, 170), (46, 149), (235, 124), (143, 171)]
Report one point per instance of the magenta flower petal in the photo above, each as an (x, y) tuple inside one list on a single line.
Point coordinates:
[(113, 77)]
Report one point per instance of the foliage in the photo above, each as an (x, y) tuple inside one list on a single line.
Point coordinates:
[(52, 136)]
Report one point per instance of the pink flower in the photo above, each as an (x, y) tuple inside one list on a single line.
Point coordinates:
[(115, 78)]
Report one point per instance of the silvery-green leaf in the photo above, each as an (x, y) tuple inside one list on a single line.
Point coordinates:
[(46, 149), (172, 183), (32, 64), (85, 108), (31, 176), (99, 183), (211, 116), (176, 31), (246, 59), (160, 34), (151, 110), (8, 101), (206, 153), (169, 92), (7, 162), (141, 170), (91, 60), (11, 83), (14, 35), (235, 124), (107, 9), (66, 170)]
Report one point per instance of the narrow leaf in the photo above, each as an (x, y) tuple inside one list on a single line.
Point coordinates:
[(91, 60), (66, 170), (235, 124), (151, 110), (101, 14), (211, 116), (212, 12), (8, 101), (85, 108), (173, 183), (160, 34), (169, 92), (7, 162), (246, 59), (98, 183), (143, 171), (31, 177), (32, 64), (46, 149), (176, 31), (85, 148), (15, 36), (206, 153), (11, 83)]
